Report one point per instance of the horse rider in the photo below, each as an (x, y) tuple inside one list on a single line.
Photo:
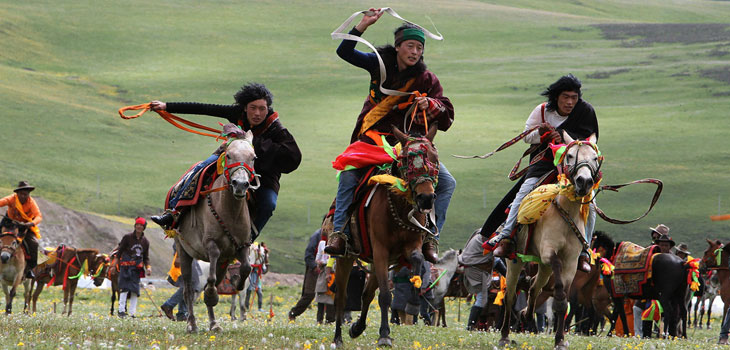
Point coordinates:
[(23, 209), (657, 232), (406, 71), (565, 110), (276, 150), (682, 251), (134, 262)]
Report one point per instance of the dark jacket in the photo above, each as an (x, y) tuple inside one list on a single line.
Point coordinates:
[(425, 82), (133, 252), (276, 150), (311, 252)]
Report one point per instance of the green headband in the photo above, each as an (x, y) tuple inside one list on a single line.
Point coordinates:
[(410, 34)]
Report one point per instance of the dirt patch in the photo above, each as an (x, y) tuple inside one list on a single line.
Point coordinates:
[(645, 34), (284, 279), (607, 74), (718, 73)]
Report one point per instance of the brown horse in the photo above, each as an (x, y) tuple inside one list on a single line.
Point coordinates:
[(67, 272), (555, 241), (716, 258), (218, 229), (112, 274), (12, 264), (392, 236)]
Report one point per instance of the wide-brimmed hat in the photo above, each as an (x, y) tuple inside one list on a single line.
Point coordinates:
[(665, 238), (683, 248), (660, 229), (24, 185)]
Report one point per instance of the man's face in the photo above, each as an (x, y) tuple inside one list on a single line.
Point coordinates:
[(23, 196), (665, 247), (409, 53), (138, 228), (566, 102), (256, 112), (654, 235)]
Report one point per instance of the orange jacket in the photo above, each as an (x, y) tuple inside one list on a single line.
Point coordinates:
[(30, 208)]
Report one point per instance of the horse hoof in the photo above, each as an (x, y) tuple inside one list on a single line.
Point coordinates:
[(215, 327), (338, 343), (386, 341), (192, 329), (356, 330), (210, 298), (506, 342), (563, 345)]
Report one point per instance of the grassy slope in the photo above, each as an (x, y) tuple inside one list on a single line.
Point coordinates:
[(66, 68)]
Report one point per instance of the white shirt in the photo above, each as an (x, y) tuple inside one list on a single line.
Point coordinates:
[(535, 119), (321, 257)]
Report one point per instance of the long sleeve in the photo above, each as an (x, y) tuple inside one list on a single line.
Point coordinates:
[(230, 112), (35, 212), (279, 152), (533, 120), (347, 52), (440, 107), (145, 252), (311, 251)]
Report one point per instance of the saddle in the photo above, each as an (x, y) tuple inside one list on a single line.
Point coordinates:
[(632, 268), (226, 286), (199, 181)]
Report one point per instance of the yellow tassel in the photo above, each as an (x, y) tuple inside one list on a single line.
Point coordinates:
[(694, 286), (498, 299), (416, 280), (170, 233)]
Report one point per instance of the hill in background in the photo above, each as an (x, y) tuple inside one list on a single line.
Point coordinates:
[(657, 73)]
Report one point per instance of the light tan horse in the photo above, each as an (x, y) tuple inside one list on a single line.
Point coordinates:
[(12, 264), (218, 228), (554, 242)]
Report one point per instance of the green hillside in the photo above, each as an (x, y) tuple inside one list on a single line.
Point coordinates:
[(657, 73)]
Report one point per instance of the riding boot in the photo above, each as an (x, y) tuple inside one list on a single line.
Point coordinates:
[(473, 318), (583, 264), (505, 249), (31, 246), (165, 220), (430, 251), (336, 244)]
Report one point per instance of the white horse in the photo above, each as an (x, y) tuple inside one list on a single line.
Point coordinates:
[(218, 228), (554, 242)]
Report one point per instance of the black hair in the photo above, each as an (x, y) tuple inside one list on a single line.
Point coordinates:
[(602, 239), (403, 26), (252, 92), (565, 83)]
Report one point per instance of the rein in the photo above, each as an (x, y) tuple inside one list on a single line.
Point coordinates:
[(172, 119), (615, 188), (571, 223)]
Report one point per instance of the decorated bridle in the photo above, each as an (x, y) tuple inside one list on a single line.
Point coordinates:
[(571, 169), (230, 169), (11, 247), (717, 254), (414, 165)]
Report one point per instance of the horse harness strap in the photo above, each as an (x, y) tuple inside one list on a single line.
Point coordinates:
[(572, 225), (225, 229), (399, 220), (615, 188)]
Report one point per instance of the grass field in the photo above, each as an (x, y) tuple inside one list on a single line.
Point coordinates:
[(657, 73), (90, 327)]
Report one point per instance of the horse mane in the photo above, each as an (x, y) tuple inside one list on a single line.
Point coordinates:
[(87, 251)]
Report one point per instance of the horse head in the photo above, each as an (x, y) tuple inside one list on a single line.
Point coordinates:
[(418, 163), (603, 244), (713, 257), (99, 268), (448, 264), (9, 242), (581, 163), (240, 155)]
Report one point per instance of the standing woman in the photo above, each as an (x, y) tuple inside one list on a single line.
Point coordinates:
[(134, 252)]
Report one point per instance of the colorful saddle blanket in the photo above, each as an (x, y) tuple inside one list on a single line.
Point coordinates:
[(198, 181), (632, 268), (226, 286)]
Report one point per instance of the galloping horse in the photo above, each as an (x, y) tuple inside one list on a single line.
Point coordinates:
[(668, 284), (716, 258), (391, 235), (12, 264), (218, 229), (67, 271), (557, 239)]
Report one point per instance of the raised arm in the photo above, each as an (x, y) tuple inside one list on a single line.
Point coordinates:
[(346, 50)]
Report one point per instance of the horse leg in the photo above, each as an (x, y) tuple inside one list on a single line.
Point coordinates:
[(232, 309), (342, 274), (528, 314), (242, 286), (563, 278), (28, 291), (65, 299), (9, 303), (709, 310), (186, 270), (71, 293), (416, 261), (368, 294), (513, 273), (441, 313), (380, 269), (36, 294)]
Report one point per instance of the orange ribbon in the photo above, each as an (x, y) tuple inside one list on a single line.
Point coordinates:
[(172, 119)]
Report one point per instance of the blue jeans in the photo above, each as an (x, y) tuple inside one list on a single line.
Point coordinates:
[(265, 205), (350, 178), (177, 300), (201, 165)]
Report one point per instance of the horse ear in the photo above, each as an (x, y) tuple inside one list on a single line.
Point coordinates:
[(248, 136), (592, 138), (432, 131), (566, 137), (402, 138), (709, 241)]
